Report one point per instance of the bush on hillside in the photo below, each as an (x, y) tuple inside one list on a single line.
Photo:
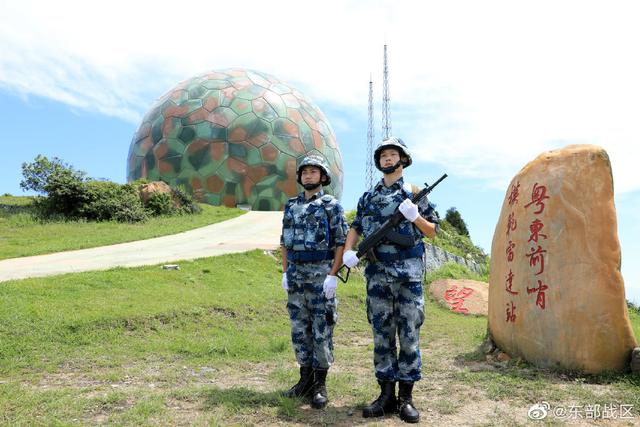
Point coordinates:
[(185, 199), (69, 194), (160, 204), (108, 201), (65, 195), (454, 218), (38, 174)]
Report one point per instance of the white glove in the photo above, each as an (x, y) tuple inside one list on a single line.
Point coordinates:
[(350, 259), (329, 286), (409, 210), (285, 284)]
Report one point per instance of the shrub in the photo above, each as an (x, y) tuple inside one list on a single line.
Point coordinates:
[(454, 218), (38, 174), (108, 201), (186, 201), (66, 195), (160, 204)]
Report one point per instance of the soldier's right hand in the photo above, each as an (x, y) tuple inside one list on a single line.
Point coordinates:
[(285, 284), (350, 258)]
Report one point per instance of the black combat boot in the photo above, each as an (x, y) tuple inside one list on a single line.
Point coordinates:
[(304, 386), (319, 399), (408, 413), (385, 403)]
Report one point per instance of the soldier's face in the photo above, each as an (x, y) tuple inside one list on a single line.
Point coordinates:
[(311, 175), (389, 157)]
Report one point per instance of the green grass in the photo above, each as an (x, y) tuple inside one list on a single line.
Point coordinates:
[(209, 344), (452, 270), (22, 235)]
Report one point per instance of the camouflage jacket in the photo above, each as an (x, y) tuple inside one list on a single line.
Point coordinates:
[(374, 208), (316, 224)]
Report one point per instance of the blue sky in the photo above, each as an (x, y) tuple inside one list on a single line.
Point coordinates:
[(478, 89)]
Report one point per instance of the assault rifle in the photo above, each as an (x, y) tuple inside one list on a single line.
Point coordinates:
[(367, 246)]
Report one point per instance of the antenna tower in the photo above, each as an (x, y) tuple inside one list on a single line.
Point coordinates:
[(386, 113), (370, 133)]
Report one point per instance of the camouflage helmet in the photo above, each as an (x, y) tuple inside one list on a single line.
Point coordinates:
[(317, 161), (392, 142)]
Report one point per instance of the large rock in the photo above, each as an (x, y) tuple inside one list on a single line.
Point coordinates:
[(461, 295), (556, 294), (147, 190)]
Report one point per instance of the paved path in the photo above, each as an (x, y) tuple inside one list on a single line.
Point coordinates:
[(253, 230)]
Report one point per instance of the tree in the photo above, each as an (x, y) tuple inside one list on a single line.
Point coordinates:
[(454, 218), (38, 173)]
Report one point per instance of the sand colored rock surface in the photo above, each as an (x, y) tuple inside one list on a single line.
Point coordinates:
[(556, 295), (147, 190), (461, 295)]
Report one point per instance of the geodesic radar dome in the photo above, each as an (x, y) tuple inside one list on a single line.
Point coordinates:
[(233, 137)]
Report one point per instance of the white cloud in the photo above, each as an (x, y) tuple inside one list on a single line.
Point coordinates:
[(481, 87)]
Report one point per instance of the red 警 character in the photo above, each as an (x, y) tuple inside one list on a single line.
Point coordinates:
[(537, 255), (535, 228), (540, 299), (538, 195), (456, 298)]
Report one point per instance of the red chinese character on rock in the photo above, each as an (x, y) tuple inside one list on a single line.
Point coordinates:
[(535, 228), (511, 313), (510, 283), (538, 195), (513, 197), (456, 298), (512, 223), (540, 300), (510, 251), (536, 256)]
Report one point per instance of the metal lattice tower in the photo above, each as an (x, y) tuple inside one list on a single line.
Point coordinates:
[(386, 113), (370, 133)]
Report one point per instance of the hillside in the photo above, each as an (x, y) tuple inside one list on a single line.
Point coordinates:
[(209, 345)]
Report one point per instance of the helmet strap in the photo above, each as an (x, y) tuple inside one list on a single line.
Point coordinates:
[(311, 186), (391, 169)]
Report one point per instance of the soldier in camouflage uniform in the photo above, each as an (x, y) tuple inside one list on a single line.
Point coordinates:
[(395, 304), (313, 234)]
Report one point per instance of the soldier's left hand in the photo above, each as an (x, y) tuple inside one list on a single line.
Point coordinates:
[(329, 286), (409, 210)]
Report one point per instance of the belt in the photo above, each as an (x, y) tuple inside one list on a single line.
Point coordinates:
[(309, 256), (414, 252)]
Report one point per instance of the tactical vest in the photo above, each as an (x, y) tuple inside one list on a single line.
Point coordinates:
[(309, 225), (373, 201)]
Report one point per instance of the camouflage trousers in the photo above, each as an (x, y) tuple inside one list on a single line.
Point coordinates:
[(313, 317), (395, 308)]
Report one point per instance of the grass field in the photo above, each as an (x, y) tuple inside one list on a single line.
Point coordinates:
[(209, 345), (22, 235)]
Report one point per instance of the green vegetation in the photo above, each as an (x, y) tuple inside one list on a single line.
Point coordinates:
[(453, 270), (451, 241), (454, 218), (209, 345), (23, 234), (69, 194)]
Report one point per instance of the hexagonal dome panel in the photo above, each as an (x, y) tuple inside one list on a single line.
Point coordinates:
[(233, 137)]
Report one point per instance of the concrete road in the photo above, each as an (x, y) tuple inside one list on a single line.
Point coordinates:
[(253, 230)]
